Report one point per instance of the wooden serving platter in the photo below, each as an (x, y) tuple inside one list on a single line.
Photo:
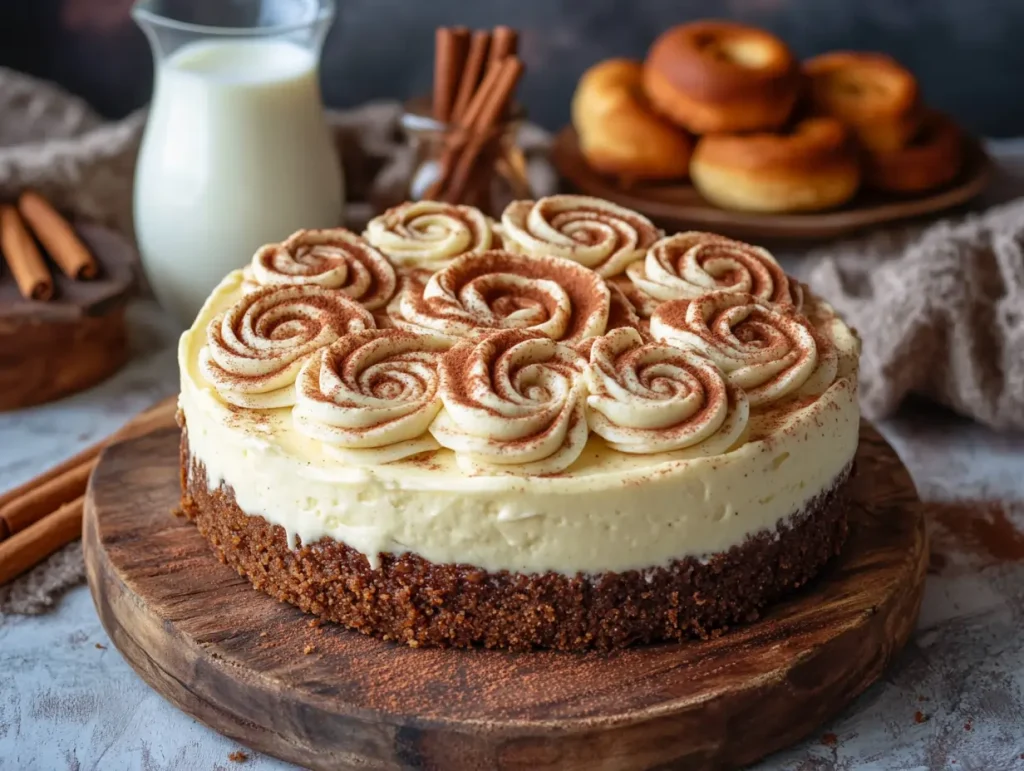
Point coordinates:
[(678, 205), (262, 673)]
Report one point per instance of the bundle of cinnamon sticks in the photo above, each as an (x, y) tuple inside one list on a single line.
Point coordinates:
[(45, 513), (33, 214), (474, 78)]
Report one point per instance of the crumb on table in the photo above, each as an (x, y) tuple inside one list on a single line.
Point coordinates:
[(238, 757)]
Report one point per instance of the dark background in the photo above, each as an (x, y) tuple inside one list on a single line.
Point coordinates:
[(968, 54)]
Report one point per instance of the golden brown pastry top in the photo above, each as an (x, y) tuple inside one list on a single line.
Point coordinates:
[(810, 144), (861, 87), (719, 61)]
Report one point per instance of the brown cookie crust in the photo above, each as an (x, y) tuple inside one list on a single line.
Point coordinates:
[(413, 601)]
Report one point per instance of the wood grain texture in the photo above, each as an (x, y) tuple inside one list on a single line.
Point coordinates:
[(44, 360), (680, 206), (52, 349), (258, 671)]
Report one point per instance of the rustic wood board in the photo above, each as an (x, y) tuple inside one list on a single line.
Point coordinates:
[(324, 697), (51, 349), (678, 204)]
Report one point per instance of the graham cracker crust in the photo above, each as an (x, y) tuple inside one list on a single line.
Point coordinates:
[(419, 603)]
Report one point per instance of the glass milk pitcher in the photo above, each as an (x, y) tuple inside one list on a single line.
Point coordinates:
[(236, 152)]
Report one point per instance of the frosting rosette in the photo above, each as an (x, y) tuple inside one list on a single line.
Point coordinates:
[(333, 258), (651, 397), (479, 294), (770, 351), (642, 303), (370, 396), (687, 265), (621, 314), (514, 403), (429, 233), (595, 233), (255, 349)]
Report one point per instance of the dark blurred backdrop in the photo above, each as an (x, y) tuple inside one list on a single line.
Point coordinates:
[(968, 54)]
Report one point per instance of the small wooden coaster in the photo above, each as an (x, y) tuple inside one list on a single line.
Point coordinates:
[(272, 678), (678, 204), (58, 347)]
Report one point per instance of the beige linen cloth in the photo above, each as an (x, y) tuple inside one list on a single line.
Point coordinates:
[(940, 312)]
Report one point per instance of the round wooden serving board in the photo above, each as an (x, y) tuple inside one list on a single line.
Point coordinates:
[(324, 697), (678, 204)]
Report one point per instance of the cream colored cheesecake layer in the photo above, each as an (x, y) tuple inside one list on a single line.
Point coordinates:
[(608, 512)]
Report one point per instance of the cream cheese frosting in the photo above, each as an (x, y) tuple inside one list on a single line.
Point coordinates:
[(595, 233), (429, 234), (684, 266), (605, 508)]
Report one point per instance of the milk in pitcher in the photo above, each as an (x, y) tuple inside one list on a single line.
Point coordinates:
[(236, 153)]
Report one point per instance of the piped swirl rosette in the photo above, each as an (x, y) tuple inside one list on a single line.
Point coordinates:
[(332, 258), (595, 233), (651, 397), (479, 294), (255, 349), (770, 351), (430, 234), (687, 265), (370, 396), (621, 315), (514, 403)]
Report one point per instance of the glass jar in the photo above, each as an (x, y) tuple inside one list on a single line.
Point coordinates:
[(498, 175)]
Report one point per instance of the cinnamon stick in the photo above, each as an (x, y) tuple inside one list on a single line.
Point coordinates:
[(37, 498), (485, 122), (45, 498), (26, 263), (88, 454), (475, 66), (504, 43), (450, 48), (58, 237), (38, 541), (457, 141)]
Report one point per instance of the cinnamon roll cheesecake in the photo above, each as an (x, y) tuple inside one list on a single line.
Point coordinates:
[(594, 436)]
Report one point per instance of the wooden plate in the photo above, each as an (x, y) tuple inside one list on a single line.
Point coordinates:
[(324, 697), (679, 206)]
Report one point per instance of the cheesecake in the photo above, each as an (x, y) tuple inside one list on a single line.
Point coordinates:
[(571, 431)]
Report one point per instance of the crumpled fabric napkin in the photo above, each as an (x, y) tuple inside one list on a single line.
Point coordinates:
[(940, 312)]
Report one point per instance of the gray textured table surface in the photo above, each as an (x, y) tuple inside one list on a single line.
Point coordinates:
[(953, 700)]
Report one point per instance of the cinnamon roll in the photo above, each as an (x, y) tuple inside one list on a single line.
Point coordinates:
[(480, 293), (333, 258), (255, 348), (513, 403), (430, 234), (770, 351), (370, 396), (595, 233)]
